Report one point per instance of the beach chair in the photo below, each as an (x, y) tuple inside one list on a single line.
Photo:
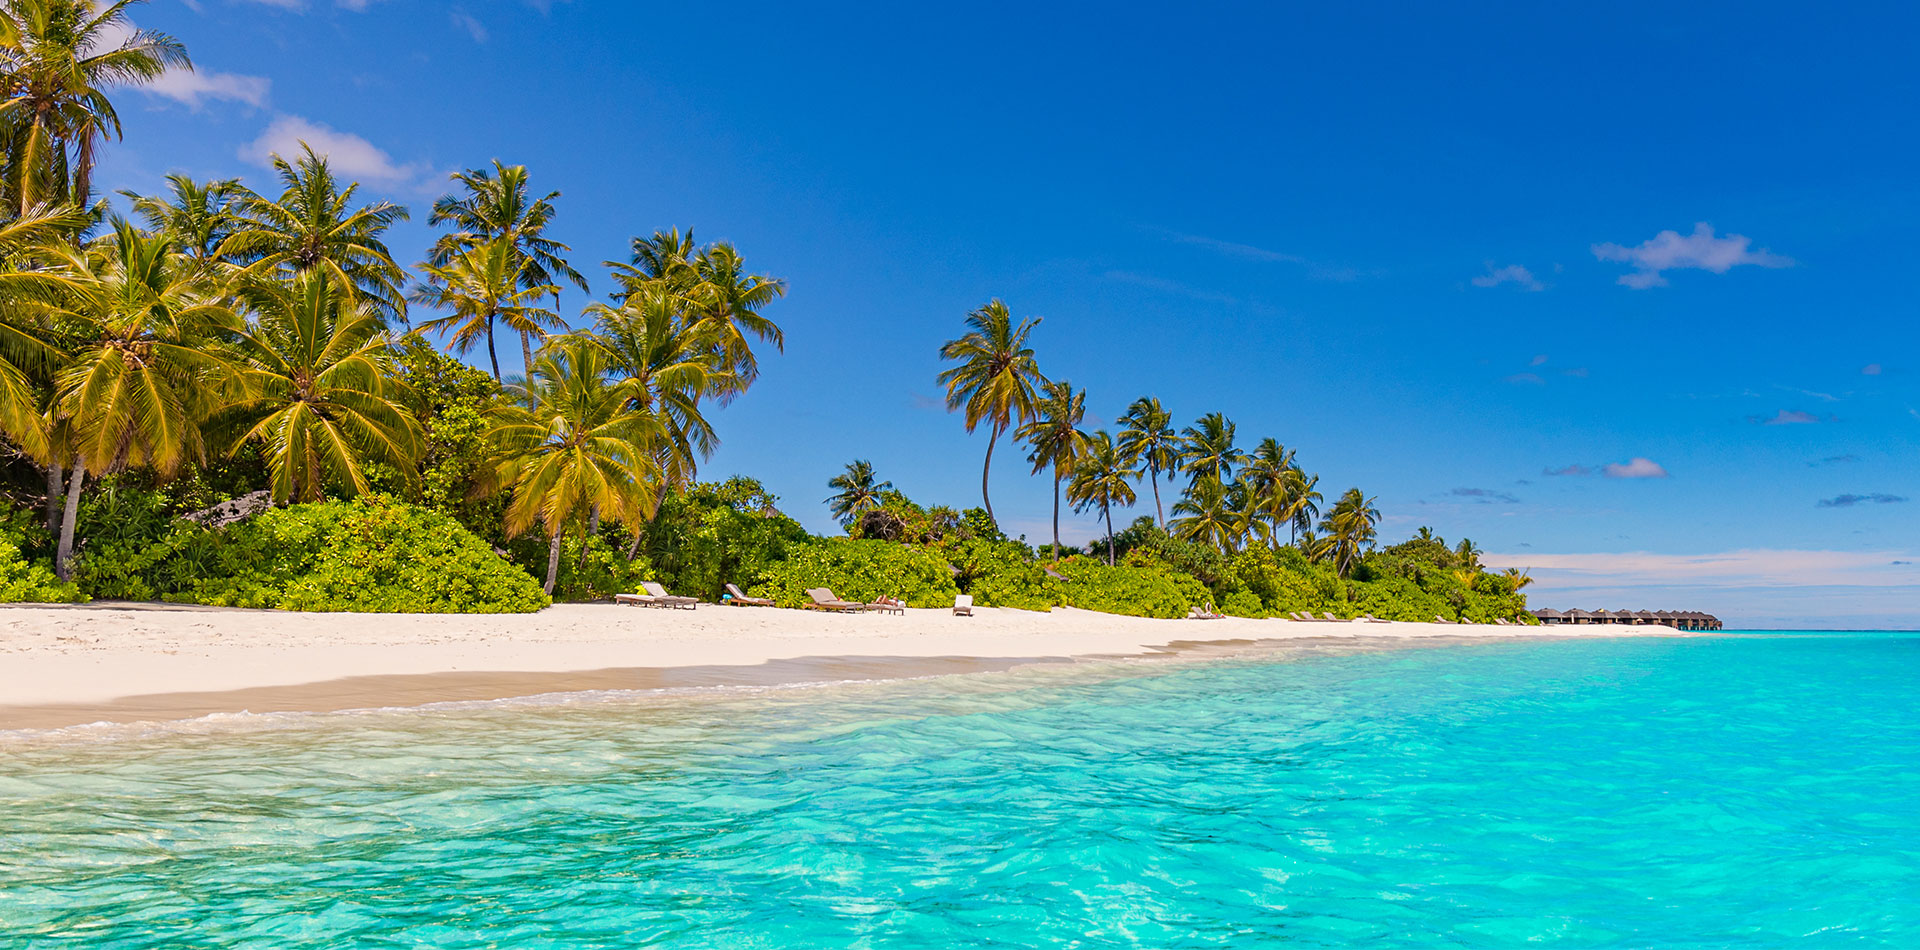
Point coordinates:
[(1439, 619), (888, 605), (1301, 616), (1329, 617), (1368, 618), (823, 599), (1502, 621), (742, 600), (963, 605), (663, 599)]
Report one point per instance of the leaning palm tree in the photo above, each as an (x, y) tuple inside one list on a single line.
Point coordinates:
[(1351, 525), (480, 287), (315, 226), (1209, 451), (1104, 478), (1147, 437), (1056, 440), (856, 491), (314, 386), (575, 444), (498, 205), (196, 217), (136, 375), (673, 365), (58, 60), (997, 379), (1205, 515)]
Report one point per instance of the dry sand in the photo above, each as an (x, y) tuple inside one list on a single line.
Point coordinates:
[(65, 665)]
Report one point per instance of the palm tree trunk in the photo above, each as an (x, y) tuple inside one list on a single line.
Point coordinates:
[(593, 531), (63, 557), (492, 354), (633, 550), (1153, 477), (526, 353), (553, 563), (1107, 512), (1056, 517), (56, 487), (984, 470)]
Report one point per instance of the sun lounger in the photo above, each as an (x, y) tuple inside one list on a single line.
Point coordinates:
[(1205, 612), (1368, 618), (888, 605), (1502, 621), (963, 605), (823, 599), (1303, 616), (1329, 617), (1439, 619), (663, 599), (740, 599)]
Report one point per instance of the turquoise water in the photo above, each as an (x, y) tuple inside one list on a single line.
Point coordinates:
[(1738, 792)]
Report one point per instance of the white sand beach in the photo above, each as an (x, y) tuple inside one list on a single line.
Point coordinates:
[(70, 664)]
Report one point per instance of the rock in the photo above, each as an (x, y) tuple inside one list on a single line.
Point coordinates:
[(228, 512)]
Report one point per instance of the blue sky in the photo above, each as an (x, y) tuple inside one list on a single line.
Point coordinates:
[(1618, 292)]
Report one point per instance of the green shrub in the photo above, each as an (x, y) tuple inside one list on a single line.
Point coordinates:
[(24, 581), (1136, 590), (716, 534), (862, 570), (599, 572), (1002, 573)]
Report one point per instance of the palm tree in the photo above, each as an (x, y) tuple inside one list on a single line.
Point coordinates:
[(1266, 473), (26, 348), (1105, 478), (135, 375), (1517, 577), (1057, 440), (672, 364), (575, 443), (479, 287), (195, 217), (729, 300), (1148, 438), (997, 378), (314, 225), (57, 65), (1351, 526), (315, 386), (1208, 450), (664, 260), (855, 492), (1205, 515), (1303, 501), (1468, 553), (497, 204)]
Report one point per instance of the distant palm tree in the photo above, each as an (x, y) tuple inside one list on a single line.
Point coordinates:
[(497, 204), (1426, 534), (59, 57), (674, 364), (665, 259), (1148, 438), (1303, 501), (1056, 440), (574, 443), (1468, 553), (1315, 547), (315, 388), (1266, 473), (1517, 577), (1209, 451), (196, 217), (1205, 515), (480, 287), (729, 300), (857, 491), (1351, 525), (315, 226), (1104, 478), (997, 379)]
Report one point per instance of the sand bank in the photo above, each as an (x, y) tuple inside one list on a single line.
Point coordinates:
[(64, 665)]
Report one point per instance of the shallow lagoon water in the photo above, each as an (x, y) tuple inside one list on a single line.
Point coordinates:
[(1720, 792)]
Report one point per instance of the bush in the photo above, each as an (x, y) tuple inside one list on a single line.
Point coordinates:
[(716, 534), (24, 581), (1002, 573), (1133, 589), (372, 554), (860, 570)]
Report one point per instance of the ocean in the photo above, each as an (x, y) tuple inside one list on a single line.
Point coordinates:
[(1725, 792)]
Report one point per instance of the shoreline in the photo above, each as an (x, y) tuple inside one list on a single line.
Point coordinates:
[(69, 665)]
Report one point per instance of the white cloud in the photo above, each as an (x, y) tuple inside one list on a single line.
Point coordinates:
[(350, 155), (1700, 250), (466, 21), (1510, 274), (357, 6), (193, 88), (1637, 468), (1790, 568)]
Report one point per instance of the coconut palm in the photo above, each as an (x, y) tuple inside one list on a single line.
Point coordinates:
[(672, 364), (135, 374), (1351, 526), (1148, 438), (729, 300), (315, 225), (1516, 577), (1056, 439), (1104, 478), (26, 348), (1266, 473), (575, 443), (997, 378), (663, 260), (196, 217), (58, 59), (1468, 553), (498, 204), (1205, 515), (1303, 501), (314, 385), (480, 287), (1208, 450), (856, 491)]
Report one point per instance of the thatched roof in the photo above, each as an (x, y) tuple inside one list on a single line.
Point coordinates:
[(1577, 612), (1548, 613)]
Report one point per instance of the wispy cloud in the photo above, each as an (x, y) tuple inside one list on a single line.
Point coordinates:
[(1173, 287), (1785, 417), (1834, 460), (196, 88), (1510, 274), (1565, 471), (1635, 468), (466, 21), (1871, 369), (1485, 496), (1525, 379), (1849, 501), (1792, 568), (356, 6), (1315, 269), (349, 154), (1701, 250)]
